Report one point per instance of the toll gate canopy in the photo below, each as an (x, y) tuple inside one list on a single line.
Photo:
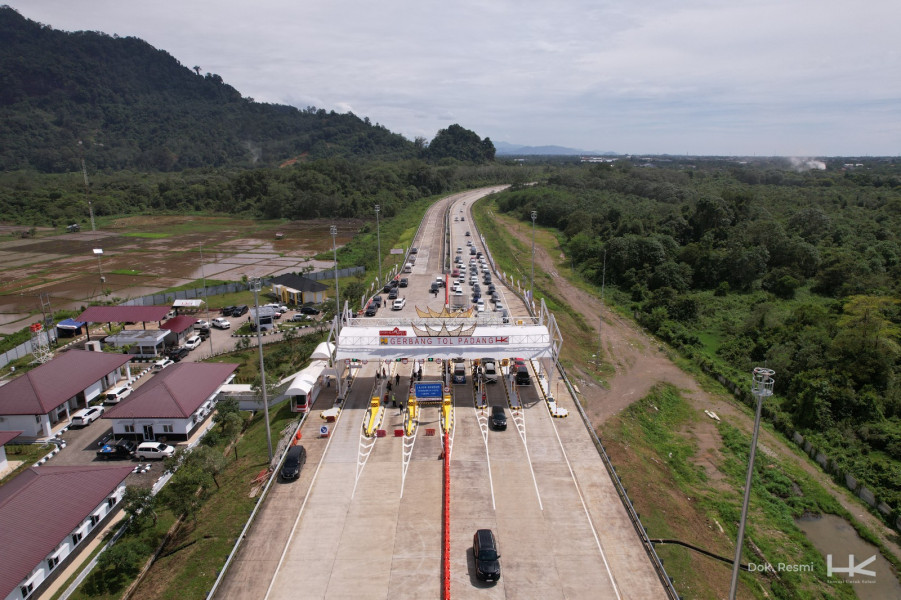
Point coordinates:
[(448, 337)]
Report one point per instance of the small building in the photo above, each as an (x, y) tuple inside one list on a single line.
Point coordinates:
[(179, 329), (45, 396), (295, 289), (47, 515), (172, 404), (143, 343)]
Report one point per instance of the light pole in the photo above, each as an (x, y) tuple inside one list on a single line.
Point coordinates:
[(99, 252), (532, 278), (203, 278), (256, 285), (762, 387), (333, 230), (378, 236)]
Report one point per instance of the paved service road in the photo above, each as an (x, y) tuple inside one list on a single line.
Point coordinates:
[(365, 518)]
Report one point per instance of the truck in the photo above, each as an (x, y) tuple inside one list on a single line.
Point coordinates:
[(116, 451)]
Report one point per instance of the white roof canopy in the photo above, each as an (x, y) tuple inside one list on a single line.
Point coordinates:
[(393, 342), (305, 380)]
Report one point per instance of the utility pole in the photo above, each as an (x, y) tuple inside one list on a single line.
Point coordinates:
[(257, 285), (378, 235), (87, 195), (532, 278)]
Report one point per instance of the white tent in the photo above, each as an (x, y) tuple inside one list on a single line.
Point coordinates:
[(323, 351)]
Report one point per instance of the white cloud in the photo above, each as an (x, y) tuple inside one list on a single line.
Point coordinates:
[(696, 76)]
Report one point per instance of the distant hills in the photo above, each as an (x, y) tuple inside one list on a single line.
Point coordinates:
[(120, 103), (506, 149)]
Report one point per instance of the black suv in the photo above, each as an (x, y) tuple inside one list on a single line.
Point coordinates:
[(309, 310), (294, 462), (403, 282), (484, 551), (177, 354), (240, 310), (522, 375), (392, 295), (227, 311), (498, 417), (371, 309)]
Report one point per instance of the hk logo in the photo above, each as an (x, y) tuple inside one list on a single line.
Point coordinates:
[(851, 569)]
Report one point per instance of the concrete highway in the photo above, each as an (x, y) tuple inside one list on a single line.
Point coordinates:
[(365, 518)]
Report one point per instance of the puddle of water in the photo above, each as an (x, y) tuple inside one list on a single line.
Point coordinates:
[(832, 535)]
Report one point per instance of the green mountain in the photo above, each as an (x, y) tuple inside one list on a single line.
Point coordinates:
[(120, 103)]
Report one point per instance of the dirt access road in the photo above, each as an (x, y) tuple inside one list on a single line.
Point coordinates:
[(640, 364)]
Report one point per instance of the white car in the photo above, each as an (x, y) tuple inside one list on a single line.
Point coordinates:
[(220, 323), (162, 364), (192, 342), (117, 393), (86, 416), (480, 305), (499, 305), (202, 325), (399, 304), (149, 450)]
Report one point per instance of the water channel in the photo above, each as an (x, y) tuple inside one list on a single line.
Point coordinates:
[(834, 536)]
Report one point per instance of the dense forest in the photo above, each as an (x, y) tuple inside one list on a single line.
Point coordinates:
[(749, 264), (119, 103)]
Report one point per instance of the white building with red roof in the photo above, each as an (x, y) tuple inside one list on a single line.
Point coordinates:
[(5, 437), (45, 396), (172, 404), (46, 515)]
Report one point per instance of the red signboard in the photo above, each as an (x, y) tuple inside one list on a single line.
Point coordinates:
[(394, 331)]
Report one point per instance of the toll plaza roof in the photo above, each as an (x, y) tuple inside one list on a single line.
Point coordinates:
[(123, 314), (439, 340)]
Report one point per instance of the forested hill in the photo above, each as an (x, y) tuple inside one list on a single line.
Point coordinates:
[(125, 104)]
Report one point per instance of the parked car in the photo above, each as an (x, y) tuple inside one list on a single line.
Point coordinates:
[(399, 304), (414, 250), (392, 295), (371, 309), (86, 416), (309, 310), (377, 300), (227, 311), (498, 418), (117, 451), (240, 310), (202, 325), (147, 450), (300, 317), (220, 323), (192, 342), (484, 551), (467, 234), (162, 364), (295, 459), (177, 354), (117, 393)]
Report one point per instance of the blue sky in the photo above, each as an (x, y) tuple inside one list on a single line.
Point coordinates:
[(757, 77)]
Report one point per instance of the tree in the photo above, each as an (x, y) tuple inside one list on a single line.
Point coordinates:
[(139, 504), (210, 461)]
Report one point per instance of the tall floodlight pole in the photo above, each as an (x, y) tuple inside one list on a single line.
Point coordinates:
[(203, 278), (98, 252), (532, 278), (378, 236), (257, 285), (333, 231), (762, 387)]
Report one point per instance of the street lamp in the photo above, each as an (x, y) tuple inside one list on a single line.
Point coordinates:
[(333, 230), (762, 387), (256, 285), (378, 236), (99, 252), (532, 278)]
